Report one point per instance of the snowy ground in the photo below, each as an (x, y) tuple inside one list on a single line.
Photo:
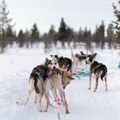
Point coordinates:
[(84, 104)]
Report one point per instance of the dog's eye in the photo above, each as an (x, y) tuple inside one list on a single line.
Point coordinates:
[(49, 61), (68, 82)]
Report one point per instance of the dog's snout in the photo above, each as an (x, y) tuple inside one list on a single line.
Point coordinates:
[(64, 87), (54, 67), (86, 62)]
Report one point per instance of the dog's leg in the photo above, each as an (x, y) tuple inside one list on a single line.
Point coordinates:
[(71, 72), (96, 84), (39, 97), (48, 102), (90, 81), (35, 99), (106, 84), (61, 97), (30, 90), (65, 102), (54, 92)]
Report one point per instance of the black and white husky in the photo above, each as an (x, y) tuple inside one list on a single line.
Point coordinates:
[(99, 70), (63, 63)]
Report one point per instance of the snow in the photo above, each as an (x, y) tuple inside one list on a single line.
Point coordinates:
[(15, 67)]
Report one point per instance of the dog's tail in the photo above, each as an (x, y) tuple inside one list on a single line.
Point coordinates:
[(31, 83), (37, 83), (94, 55), (104, 73), (31, 88)]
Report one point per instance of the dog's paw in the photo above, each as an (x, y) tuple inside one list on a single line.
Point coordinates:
[(40, 111), (94, 91), (59, 103), (45, 111), (67, 112)]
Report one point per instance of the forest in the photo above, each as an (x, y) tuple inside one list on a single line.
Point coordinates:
[(102, 36)]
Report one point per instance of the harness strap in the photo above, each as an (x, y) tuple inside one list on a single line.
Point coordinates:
[(40, 73), (95, 68)]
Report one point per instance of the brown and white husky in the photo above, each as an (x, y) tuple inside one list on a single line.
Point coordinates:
[(43, 79)]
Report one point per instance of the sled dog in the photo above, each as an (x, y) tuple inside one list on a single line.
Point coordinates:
[(99, 70), (63, 63), (43, 79)]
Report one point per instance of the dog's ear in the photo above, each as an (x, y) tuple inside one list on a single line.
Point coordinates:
[(95, 55), (56, 56), (46, 60), (81, 52), (92, 57), (51, 55)]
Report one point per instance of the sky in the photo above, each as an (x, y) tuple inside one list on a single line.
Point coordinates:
[(76, 13)]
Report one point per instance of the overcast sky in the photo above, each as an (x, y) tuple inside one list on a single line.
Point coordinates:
[(77, 13)]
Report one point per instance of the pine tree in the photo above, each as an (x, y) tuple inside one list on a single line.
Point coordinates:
[(117, 23), (99, 36), (35, 35), (4, 20), (4, 24), (51, 34), (102, 35), (10, 35), (62, 32), (49, 38), (80, 34), (21, 38), (110, 35), (87, 38), (27, 38)]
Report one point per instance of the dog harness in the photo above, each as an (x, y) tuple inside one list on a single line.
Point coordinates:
[(40, 74), (45, 74)]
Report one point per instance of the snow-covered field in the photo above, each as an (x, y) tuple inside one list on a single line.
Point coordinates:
[(15, 67)]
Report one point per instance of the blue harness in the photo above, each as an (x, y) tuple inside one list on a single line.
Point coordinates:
[(41, 74)]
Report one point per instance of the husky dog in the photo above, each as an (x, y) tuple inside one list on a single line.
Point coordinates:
[(43, 78), (99, 70), (90, 57), (38, 75), (62, 79), (79, 58), (63, 63)]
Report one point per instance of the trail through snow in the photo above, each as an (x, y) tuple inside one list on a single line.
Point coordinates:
[(83, 104)]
